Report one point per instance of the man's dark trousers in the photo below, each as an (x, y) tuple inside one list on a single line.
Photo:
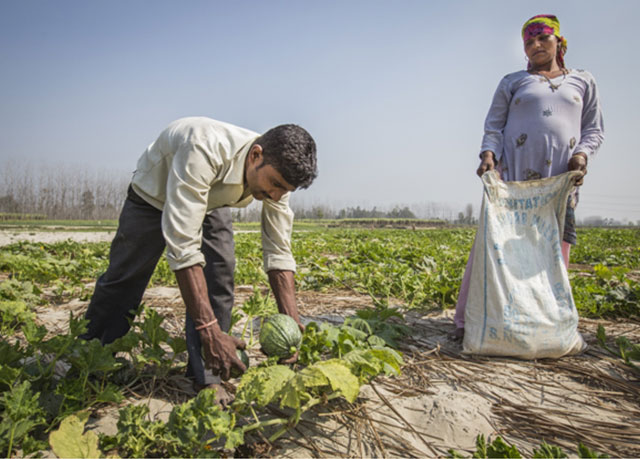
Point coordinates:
[(135, 251)]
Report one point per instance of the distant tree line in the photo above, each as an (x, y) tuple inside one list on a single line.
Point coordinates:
[(59, 191), (325, 212), (322, 212)]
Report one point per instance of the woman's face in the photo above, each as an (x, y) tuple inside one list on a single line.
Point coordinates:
[(541, 49)]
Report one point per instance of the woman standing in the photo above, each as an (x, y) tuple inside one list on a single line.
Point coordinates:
[(542, 122)]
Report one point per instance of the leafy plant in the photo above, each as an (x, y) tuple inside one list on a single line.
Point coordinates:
[(355, 362), (193, 430), (257, 305), (317, 383), (586, 452), (626, 350), (52, 377), (70, 440), (16, 290), (12, 315), (499, 448), (21, 415), (548, 451)]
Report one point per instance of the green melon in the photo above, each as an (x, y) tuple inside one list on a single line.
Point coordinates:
[(244, 358), (280, 336)]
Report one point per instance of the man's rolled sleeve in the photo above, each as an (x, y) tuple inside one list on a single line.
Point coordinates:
[(188, 184), (277, 226)]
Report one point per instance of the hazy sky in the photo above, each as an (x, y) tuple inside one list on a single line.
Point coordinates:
[(394, 92)]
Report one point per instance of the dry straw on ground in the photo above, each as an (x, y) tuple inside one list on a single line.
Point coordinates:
[(442, 399)]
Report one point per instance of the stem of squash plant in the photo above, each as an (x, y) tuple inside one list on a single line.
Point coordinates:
[(244, 329), (294, 419), (262, 424), (13, 432), (254, 414)]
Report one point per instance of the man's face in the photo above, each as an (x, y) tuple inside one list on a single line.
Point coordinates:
[(263, 180)]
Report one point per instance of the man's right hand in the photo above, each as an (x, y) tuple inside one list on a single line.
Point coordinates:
[(487, 162), (220, 351), (218, 347)]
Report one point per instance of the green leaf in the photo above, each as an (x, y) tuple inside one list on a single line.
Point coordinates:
[(91, 356), (77, 326), (22, 413), (110, 394), (261, 384), (363, 363), (586, 452), (359, 324), (634, 352), (33, 333), (340, 378), (125, 343), (10, 354), (375, 340), (12, 314), (178, 345), (391, 359), (193, 422), (332, 373), (235, 438), (8, 375), (352, 333), (369, 363), (152, 332), (601, 335), (138, 437), (70, 441), (481, 447), (499, 448), (548, 451)]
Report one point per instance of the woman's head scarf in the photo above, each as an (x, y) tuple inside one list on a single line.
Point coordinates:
[(546, 24)]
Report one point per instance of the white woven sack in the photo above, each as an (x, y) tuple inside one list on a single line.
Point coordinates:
[(520, 302)]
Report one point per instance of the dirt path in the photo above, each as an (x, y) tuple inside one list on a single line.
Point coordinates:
[(10, 236)]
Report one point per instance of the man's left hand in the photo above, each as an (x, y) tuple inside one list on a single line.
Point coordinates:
[(283, 287), (578, 162)]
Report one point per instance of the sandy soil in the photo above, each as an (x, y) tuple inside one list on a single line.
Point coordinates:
[(442, 400), (9, 236)]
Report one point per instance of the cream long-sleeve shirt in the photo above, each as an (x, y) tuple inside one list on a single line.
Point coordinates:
[(196, 165)]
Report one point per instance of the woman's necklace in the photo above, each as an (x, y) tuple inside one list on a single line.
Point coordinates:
[(552, 86)]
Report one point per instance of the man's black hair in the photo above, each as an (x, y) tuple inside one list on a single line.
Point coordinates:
[(291, 151)]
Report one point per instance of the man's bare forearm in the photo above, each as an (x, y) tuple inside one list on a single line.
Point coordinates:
[(283, 287), (219, 349), (193, 288)]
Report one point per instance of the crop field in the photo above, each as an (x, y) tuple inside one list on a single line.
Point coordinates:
[(379, 373)]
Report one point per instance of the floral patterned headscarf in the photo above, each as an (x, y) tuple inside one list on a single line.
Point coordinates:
[(547, 24)]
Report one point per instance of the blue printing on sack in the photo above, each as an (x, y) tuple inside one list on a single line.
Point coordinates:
[(484, 325)]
